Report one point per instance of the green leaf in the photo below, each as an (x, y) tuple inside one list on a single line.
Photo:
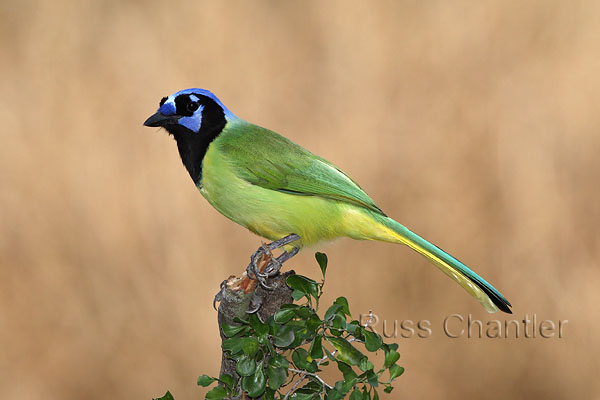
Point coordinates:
[(216, 393), (303, 361), (313, 385), (313, 322), (241, 321), (297, 295), (336, 332), (167, 396), (278, 361), (365, 394), (390, 358), (334, 394), (339, 321), (343, 387), (372, 340), (388, 389), (227, 380), (329, 355), (304, 312), (269, 394), (365, 364), (352, 326), (277, 376), (284, 336), (205, 380), (250, 346), (255, 384), (372, 378), (300, 333), (356, 395), (346, 352), (310, 391), (234, 345), (322, 260), (300, 359), (303, 284), (347, 386), (395, 371), (316, 348), (330, 313), (375, 394), (259, 327), (283, 316), (245, 366), (390, 346), (290, 306), (232, 330), (347, 371), (301, 394), (344, 305)]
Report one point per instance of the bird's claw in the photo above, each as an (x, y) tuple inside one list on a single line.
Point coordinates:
[(272, 268), (219, 295), (252, 270), (255, 304), (274, 263)]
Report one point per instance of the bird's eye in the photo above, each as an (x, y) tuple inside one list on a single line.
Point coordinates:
[(193, 106)]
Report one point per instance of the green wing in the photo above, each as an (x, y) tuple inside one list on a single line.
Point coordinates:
[(269, 160)]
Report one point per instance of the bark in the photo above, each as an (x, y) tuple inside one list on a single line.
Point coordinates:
[(236, 298)]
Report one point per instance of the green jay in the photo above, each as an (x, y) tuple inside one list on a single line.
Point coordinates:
[(282, 192)]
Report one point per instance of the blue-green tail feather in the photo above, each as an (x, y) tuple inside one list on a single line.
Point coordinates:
[(432, 251)]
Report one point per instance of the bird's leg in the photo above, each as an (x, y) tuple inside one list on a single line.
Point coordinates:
[(283, 241), (263, 252), (273, 264), (262, 259)]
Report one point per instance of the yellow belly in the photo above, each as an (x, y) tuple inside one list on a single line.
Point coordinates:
[(273, 214)]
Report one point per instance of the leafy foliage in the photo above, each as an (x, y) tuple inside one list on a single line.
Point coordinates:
[(284, 355), (167, 396)]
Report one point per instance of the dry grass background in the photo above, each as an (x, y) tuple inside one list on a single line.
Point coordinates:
[(474, 123)]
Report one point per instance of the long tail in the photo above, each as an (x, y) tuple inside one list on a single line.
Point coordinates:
[(476, 286)]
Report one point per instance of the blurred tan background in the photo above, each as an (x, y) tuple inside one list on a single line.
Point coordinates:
[(474, 123)]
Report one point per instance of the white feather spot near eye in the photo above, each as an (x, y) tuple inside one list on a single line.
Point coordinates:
[(194, 98)]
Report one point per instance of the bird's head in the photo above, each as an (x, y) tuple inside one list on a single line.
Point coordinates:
[(190, 112), (195, 117)]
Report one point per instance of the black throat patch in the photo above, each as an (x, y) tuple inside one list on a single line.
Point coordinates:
[(192, 145)]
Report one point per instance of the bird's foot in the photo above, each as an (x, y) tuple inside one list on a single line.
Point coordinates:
[(255, 304), (273, 264), (219, 296)]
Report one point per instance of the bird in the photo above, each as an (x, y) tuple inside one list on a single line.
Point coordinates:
[(282, 192)]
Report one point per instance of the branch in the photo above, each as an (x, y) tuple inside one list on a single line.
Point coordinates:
[(304, 374), (238, 296)]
